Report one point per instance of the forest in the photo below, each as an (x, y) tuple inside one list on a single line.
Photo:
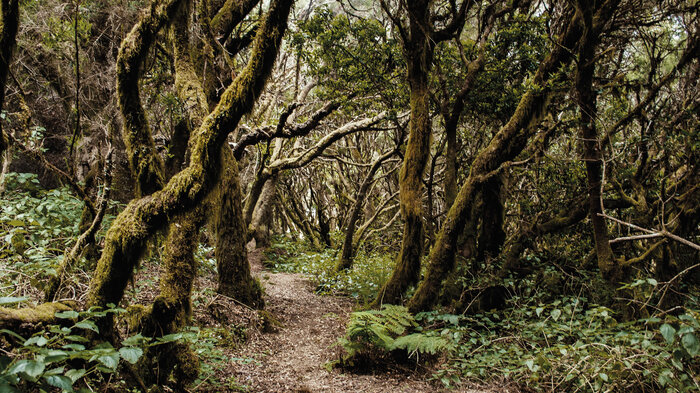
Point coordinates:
[(349, 196)]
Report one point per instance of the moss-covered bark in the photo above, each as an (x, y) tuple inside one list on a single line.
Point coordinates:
[(9, 22), (224, 204), (609, 268), (231, 255), (229, 16), (146, 165), (506, 145), (491, 233), (419, 55), (142, 217), (29, 320), (172, 308)]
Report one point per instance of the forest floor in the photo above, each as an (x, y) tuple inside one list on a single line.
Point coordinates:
[(291, 353), (291, 358)]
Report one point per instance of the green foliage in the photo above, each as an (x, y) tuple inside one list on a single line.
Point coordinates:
[(351, 55), (61, 357), (390, 329), (369, 272), (570, 345), (207, 343), (36, 225)]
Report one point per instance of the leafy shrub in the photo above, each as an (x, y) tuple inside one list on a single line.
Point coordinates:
[(567, 345), (59, 356)]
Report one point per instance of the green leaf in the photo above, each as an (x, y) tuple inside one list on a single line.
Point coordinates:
[(13, 334), (87, 324), (39, 341), (75, 347), (691, 344), (67, 315), (668, 332), (169, 338), (61, 382), (75, 375), (16, 223), (55, 356), (137, 339), (79, 339), (110, 361), (556, 313), (603, 376), (539, 310), (130, 354), (31, 368), (4, 301)]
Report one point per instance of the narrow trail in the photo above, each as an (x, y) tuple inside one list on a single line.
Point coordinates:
[(291, 359)]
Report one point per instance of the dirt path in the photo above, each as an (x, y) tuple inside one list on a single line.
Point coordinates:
[(292, 358)]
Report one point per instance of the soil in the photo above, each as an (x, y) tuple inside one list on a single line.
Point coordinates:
[(288, 346), (293, 356)]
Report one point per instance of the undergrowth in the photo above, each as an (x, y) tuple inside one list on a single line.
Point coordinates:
[(369, 272)]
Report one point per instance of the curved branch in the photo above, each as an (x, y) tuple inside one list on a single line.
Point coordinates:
[(126, 238)]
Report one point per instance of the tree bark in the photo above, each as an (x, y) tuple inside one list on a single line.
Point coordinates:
[(609, 268), (419, 55), (506, 145), (9, 23), (126, 238)]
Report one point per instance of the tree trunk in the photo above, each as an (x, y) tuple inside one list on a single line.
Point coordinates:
[(171, 310), (134, 225), (9, 22), (609, 268), (261, 219), (347, 253), (506, 145), (419, 52), (491, 233)]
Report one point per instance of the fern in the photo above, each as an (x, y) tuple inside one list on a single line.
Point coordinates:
[(387, 330), (421, 343)]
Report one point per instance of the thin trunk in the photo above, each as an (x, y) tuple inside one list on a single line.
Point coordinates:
[(260, 223), (347, 253)]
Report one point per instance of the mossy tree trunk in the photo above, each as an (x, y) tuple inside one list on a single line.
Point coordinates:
[(609, 268), (126, 238), (171, 310), (506, 145), (491, 233), (419, 55), (146, 165), (235, 279), (224, 205), (9, 23)]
